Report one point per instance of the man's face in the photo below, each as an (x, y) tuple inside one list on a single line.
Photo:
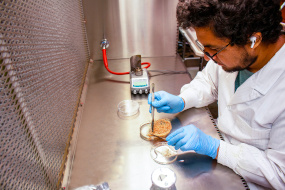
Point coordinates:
[(232, 58)]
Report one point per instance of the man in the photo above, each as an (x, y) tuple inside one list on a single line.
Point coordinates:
[(244, 46)]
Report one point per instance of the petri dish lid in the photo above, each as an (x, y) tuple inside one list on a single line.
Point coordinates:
[(128, 107), (162, 153)]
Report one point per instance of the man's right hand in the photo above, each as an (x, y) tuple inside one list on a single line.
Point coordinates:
[(165, 102)]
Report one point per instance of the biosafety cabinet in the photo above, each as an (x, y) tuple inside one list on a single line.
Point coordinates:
[(60, 128)]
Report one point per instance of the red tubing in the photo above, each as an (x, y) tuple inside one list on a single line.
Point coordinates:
[(105, 60)]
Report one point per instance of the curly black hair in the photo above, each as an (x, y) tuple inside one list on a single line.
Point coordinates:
[(236, 20)]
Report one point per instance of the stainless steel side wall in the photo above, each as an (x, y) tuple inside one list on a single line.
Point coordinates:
[(145, 27)]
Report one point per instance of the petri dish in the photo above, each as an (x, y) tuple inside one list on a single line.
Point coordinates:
[(128, 107), (163, 178), (162, 153), (145, 130)]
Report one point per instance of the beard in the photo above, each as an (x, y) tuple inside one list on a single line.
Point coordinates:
[(246, 61)]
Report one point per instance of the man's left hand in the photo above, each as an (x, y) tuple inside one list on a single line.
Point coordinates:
[(192, 138)]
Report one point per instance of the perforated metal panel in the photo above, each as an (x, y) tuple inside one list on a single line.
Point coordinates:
[(43, 62)]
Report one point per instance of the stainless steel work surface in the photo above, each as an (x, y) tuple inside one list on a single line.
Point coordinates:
[(110, 149)]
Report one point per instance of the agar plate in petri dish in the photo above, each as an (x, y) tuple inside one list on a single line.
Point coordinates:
[(128, 107), (162, 153)]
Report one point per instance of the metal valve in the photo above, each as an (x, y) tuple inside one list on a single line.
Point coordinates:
[(104, 44)]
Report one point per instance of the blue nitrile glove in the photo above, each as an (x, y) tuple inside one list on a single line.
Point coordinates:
[(192, 138), (165, 102)]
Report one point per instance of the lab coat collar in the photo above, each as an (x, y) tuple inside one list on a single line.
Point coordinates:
[(261, 82), (266, 77)]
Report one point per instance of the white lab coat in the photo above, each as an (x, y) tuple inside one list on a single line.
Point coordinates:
[(251, 120)]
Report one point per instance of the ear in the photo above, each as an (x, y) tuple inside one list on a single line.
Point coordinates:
[(255, 40)]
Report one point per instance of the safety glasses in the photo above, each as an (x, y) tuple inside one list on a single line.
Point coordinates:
[(202, 48)]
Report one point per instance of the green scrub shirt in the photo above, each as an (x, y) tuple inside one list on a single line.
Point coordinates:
[(242, 77)]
